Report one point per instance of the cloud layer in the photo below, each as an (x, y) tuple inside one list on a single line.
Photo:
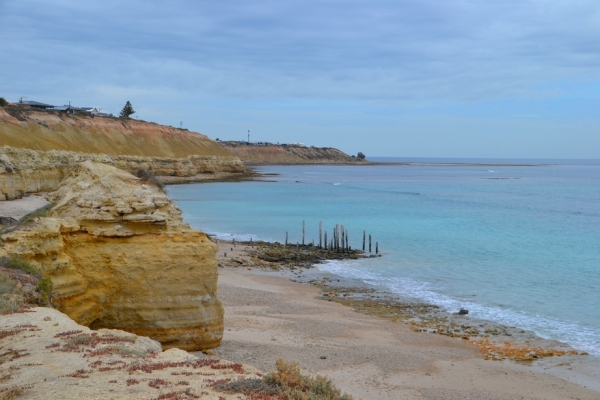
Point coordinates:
[(448, 59)]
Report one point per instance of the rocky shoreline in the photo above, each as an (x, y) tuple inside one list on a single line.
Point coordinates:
[(300, 264)]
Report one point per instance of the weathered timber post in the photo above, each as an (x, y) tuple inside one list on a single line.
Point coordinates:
[(286, 239), (303, 226), (376, 247), (343, 237), (325, 240), (364, 239), (320, 234), (369, 243), (347, 247)]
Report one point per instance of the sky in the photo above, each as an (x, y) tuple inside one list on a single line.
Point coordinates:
[(406, 78)]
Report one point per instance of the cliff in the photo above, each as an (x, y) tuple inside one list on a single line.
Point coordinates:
[(41, 148), (120, 256), (289, 154)]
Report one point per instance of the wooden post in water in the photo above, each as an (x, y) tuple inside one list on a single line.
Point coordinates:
[(303, 226), (325, 240), (286, 239), (320, 234), (343, 238), (347, 247), (376, 247), (369, 243), (364, 239)]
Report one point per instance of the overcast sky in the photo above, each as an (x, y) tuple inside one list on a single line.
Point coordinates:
[(413, 78)]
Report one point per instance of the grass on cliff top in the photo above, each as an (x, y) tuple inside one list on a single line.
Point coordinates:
[(287, 383), (41, 212)]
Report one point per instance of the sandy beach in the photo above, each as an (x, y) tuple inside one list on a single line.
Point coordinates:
[(268, 317)]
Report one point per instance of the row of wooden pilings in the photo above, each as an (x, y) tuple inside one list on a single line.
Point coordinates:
[(338, 241)]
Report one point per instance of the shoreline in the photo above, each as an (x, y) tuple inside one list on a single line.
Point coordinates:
[(489, 338)]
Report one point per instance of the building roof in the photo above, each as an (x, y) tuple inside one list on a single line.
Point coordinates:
[(35, 104)]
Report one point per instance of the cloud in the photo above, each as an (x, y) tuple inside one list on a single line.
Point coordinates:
[(392, 50)]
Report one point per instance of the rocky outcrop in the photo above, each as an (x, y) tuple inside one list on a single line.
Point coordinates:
[(120, 256), (40, 148), (46, 355), (26, 171), (289, 154)]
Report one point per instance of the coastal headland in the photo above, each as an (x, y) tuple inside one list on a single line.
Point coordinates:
[(288, 154), (40, 148)]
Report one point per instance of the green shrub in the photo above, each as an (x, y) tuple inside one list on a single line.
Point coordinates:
[(9, 294), (44, 288), (41, 212), (3, 102), (296, 386), (14, 262)]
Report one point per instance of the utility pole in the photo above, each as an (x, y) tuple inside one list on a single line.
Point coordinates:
[(248, 136)]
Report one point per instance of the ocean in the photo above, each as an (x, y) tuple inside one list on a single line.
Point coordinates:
[(518, 245)]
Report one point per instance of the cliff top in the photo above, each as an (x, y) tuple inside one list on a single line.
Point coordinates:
[(54, 130)]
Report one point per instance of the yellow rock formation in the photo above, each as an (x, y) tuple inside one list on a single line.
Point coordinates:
[(120, 256)]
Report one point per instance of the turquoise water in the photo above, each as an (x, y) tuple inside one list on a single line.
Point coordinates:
[(516, 245)]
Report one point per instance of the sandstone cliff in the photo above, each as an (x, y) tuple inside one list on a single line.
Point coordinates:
[(280, 154), (120, 256), (40, 148)]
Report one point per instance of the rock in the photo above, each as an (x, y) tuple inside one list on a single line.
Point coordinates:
[(462, 311), (144, 272), (59, 359)]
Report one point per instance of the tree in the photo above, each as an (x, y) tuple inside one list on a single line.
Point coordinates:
[(360, 156), (3, 102), (127, 110)]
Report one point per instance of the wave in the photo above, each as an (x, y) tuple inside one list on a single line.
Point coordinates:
[(579, 337)]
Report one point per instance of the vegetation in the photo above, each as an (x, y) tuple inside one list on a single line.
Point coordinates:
[(296, 386), (149, 177), (20, 264), (287, 383), (10, 294), (360, 155), (44, 288), (3, 102), (127, 110), (41, 212)]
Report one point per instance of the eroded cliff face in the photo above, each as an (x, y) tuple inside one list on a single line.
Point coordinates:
[(280, 154), (40, 148), (120, 256), (25, 170)]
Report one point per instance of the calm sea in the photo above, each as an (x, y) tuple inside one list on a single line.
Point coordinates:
[(519, 245)]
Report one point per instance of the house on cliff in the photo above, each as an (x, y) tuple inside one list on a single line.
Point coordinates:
[(35, 104)]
